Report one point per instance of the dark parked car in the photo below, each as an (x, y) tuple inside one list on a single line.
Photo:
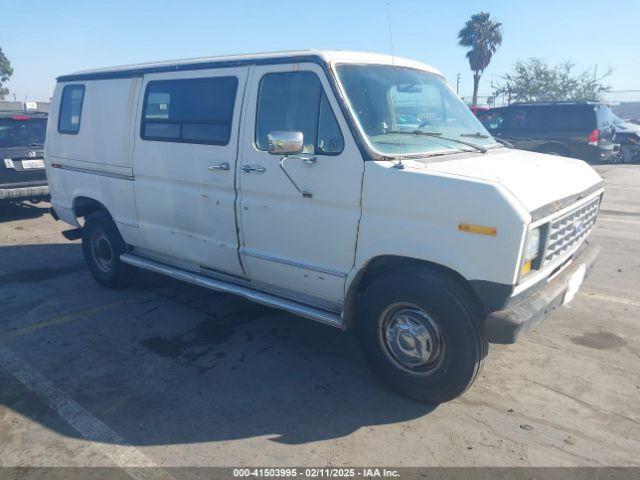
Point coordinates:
[(582, 130), (628, 136), (22, 174)]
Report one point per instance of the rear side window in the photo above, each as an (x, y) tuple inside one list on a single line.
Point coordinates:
[(198, 110), (605, 116), (569, 117), (295, 101), (71, 109), (555, 117)]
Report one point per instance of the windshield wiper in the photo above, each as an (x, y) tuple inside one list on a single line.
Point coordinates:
[(439, 135), (475, 135), (36, 144)]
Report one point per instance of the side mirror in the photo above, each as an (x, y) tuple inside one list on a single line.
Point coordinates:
[(285, 143)]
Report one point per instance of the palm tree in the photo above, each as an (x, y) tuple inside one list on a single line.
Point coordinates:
[(484, 36)]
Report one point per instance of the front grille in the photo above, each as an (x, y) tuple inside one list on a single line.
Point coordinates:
[(571, 229)]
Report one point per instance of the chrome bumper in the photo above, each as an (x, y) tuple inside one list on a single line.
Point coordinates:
[(505, 326), (23, 192)]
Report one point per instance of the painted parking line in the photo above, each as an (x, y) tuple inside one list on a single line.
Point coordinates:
[(73, 316), (609, 298), (622, 187), (617, 220), (105, 440)]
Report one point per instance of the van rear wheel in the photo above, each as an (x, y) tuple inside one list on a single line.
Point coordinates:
[(421, 332), (102, 246)]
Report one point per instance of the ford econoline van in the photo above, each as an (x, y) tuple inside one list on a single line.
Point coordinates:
[(349, 188)]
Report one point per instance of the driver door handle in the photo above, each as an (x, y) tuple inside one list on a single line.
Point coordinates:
[(306, 159), (220, 166), (253, 168)]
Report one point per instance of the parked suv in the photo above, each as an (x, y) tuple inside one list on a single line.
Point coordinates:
[(22, 172), (583, 130), (353, 189)]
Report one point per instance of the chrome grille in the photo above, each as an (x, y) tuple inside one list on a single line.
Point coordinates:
[(571, 229)]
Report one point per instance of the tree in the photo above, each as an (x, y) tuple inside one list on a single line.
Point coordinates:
[(5, 73), (484, 36), (534, 80)]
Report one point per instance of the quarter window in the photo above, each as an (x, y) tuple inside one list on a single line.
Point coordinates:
[(71, 109), (295, 101), (198, 110)]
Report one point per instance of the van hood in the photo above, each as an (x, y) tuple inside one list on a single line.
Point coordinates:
[(536, 179)]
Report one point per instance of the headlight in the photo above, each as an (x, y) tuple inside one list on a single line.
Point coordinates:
[(533, 245), (531, 250)]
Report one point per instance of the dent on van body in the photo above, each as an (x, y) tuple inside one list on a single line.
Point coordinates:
[(96, 162), (414, 213)]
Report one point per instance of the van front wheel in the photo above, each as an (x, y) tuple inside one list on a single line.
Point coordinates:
[(421, 332), (102, 246)]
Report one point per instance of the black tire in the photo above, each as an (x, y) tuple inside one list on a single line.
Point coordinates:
[(102, 246), (453, 318)]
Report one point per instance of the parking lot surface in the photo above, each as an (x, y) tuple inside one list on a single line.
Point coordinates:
[(169, 374)]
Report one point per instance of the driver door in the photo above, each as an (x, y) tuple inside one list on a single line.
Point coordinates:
[(300, 246)]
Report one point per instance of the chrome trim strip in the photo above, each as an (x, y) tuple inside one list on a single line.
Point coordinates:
[(306, 311), (553, 207), (285, 261), (102, 173), (224, 275)]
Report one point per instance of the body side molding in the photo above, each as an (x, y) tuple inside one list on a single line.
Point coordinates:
[(322, 316)]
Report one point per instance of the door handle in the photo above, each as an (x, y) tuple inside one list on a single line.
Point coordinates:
[(219, 166), (306, 159), (253, 168)]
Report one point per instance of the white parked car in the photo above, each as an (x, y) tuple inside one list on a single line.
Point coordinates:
[(353, 189)]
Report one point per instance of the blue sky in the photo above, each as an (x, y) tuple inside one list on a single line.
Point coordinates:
[(44, 39)]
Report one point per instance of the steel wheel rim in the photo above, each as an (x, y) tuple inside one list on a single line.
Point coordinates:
[(411, 338), (102, 251)]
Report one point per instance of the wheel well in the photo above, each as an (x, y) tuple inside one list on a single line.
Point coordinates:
[(387, 263), (85, 206)]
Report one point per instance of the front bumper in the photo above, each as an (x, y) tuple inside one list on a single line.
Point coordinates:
[(505, 326), (24, 192)]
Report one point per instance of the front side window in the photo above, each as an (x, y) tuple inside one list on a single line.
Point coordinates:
[(520, 119), (295, 101), (406, 111), (491, 119), (198, 110), (71, 109)]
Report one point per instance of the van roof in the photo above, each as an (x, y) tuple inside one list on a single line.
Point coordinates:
[(317, 56)]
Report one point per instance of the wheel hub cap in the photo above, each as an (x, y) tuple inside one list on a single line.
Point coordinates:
[(411, 337), (102, 252)]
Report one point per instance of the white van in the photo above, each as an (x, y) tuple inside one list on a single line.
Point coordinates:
[(349, 188)]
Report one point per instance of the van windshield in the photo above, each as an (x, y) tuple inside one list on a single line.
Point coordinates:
[(22, 132), (407, 111)]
